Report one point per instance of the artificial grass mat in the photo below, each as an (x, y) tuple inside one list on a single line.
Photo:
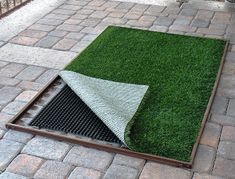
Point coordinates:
[(180, 71)]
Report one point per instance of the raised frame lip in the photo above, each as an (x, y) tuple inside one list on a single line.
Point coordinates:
[(108, 148)]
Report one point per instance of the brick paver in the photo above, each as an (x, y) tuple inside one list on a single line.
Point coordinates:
[(72, 27)]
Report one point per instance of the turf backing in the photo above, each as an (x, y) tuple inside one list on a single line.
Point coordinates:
[(180, 71)]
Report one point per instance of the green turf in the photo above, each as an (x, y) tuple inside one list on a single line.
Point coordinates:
[(180, 71)]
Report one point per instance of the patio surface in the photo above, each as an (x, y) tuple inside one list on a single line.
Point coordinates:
[(38, 46)]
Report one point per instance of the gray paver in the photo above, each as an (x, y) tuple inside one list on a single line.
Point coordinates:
[(164, 21), (75, 35), (125, 5), (65, 44), (222, 119), (188, 12), (204, 158), (205, 176), (121, 172), (70, 7), (47, 76), (24, 40), (26, 96), (204, 14), (33, 33), (50, 21), (200, 23), (47, 41), (53, 169), (46, 148), (89, 158), (42, 27), (58, 33), (2, 64), (7, 94), (224, 167), (90, 22), (8, 151), (159, 28), (99, 14), (2, 132), (17, 136), (29, 85), (57, 16), (70, 27), (154, 10), (2, 43), (160, 171), (4, 118), (8, 175), (128, 161), (228, 133), (30, 73), (182, 21), (12, 69), (73, 21), (231, 107), (63, 11), (25, 165), (219, 105), (226, 149), (81, 172), (8, 81), (14, 107)]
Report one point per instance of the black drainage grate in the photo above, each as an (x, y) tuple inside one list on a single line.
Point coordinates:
[(66, 112)]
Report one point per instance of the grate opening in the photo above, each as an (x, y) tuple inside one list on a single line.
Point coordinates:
[(67, 113)]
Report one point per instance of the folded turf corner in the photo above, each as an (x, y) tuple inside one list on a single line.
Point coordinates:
[(116, 104)]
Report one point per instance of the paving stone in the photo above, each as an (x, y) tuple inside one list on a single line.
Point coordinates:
[(57, 16), (154, 10), (26, 96), (164, 21), (188, 12), (221, 26), (4, 118), (8, 151), (81, 172), (8, 81), (33, 33), (128, 161), (230, 56), (147, 18), (7, 94), (47, 41), (205, 176), (42, 27), (77, 3), (14, 107), (114, 20), (47, 76), (183, 28), (99, 14), (222, 119), (226, 149), (224, 167), (2, 64), (53, 169), (219, 105), (89, 158), (229, 68), (231, 107), (79, 47), (1, 43), (73, 21), (159, 171), (204, 14), (136, 23), (75, 35), (17, 136), (125, 5), (50, 21), (233, 48), (172, 10), (22, 40), (85, 11), (133, 15), (211, 31), (89, 37), (221, 17), (159, 28), (65, 44), (200, 23), (116, 14), (79, 16), (25, 165), (29, 85), (228, 133), (8, 175), (204, 158), (121, 172), (70, 7), (110, 4), (58, 33), (63, 11), (70, 28), (139, 8), (46, 148), (90, 22), (182, 21), (211, 135), (30, 73)]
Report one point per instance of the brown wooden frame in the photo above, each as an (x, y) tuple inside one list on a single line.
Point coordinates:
[(109, 148)]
